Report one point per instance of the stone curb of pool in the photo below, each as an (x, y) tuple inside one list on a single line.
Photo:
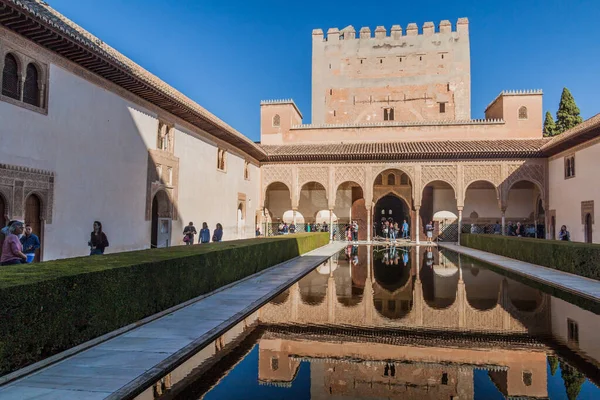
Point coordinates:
[(30, 369), (153, 375)]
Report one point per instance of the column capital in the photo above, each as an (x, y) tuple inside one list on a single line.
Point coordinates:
[(460, 208)]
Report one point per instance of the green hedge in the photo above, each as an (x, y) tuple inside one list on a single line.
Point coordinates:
[(49, 307), (574, 257)]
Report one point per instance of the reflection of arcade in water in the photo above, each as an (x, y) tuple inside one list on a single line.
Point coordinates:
[(409, 287), (408, 323)]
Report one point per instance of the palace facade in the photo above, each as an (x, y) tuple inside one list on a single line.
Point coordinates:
[(88, 135)]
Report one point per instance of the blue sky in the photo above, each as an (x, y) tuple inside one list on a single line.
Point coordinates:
[(229, 55)]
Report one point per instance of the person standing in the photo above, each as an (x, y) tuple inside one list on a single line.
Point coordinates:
[(292, 227), (354, 231), (429, 230), (98, 241), (4, 232), (564, 234), (519, 230), (205, 234), (30, 243), (189, 232), (497, 228), (12, 250), (405, 230), (218, 233)]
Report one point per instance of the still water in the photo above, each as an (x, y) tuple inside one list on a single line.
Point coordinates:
[(409, 323)]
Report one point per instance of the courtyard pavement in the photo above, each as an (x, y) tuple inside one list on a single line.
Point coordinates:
[(114, 368), (576, 284)]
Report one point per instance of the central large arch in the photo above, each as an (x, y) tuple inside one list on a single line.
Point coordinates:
[(390, 206)]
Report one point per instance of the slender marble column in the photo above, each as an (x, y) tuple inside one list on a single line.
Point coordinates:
[(418, 223), (459, 224)]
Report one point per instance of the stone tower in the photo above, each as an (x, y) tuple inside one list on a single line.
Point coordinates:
[(405, 76)]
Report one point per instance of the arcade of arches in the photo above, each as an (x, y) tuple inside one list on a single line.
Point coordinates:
[(451, 194)]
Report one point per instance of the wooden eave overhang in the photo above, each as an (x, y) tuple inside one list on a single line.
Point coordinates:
[(41, 24)]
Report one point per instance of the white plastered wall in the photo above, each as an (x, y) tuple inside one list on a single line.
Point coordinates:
[(97, 145), (566, 195)]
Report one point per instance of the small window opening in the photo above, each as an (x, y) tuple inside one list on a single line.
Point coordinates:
[(334, 114), (330, 91), (569, 167), (388, 114), (442, 56), (572, 331), (276, 120), (274, 364), (400, 59), (361, 61), (420, 58), (523, 112), (391, 179), (527, 378), (329, 66), (444, 378), (391, 305), (442, 108), (381, 61)]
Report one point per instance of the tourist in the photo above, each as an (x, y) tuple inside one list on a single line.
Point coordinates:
[(497, 228), (392, 231), (429, 230), (405, 230), (257, 232), (286, 228), (12, 250), (519, 230), (307, 227), (218, 233), (189, 232), (405, 257), (4, 231), (354, 231), (205, 233), (473, 229), (564, 234), (349, 233), (292, 227), (30, 243), (429, 262), (280, 228), (325, 227), (386, 229), (98, 241)]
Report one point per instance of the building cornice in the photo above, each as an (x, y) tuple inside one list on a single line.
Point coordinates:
[(41, 24)]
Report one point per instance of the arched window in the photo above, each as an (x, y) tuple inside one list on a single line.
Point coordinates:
[(404, 179), (10, 77), (523, 112), (379, 180), (276, 120), (391, 179), (31, 91)]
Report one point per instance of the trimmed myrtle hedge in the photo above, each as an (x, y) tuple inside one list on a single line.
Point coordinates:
[(574, 257), (49, 307)]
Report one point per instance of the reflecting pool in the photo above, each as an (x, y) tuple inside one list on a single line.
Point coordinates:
[(377, 322)]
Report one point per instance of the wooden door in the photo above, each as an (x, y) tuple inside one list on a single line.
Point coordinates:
[(33, 214)]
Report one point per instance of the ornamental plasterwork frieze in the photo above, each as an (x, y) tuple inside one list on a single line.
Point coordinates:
[(276, 173), (482, 172), (531, 172), (350, 173), (319, 174), (17, 183), (446, 173), (165, 163)]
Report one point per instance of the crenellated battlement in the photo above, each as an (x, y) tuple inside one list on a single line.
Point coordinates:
[(526, 92), (396, 32)]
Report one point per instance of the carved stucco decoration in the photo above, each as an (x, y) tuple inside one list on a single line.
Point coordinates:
[(276, 173), (17, 183), (482, 172), (350, 173), (535, 173), (407, 169), (445, 173), (319, 174), (154, 184)]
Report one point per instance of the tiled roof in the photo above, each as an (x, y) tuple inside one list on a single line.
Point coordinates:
[(473, 149), (583, 132), (37, 21)]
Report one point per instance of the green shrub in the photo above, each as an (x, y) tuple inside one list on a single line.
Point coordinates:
[(574, 257), (52, 306)]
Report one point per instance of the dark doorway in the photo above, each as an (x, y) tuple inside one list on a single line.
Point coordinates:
[(33, 214), (553, 227), (390, 206), (588, 228), (154, 234)]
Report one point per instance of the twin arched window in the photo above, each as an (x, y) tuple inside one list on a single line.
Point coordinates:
[(523, 112), (569, 167), (276, 120), (391, 179), (31, 89), (10, 77), (11, 85)]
